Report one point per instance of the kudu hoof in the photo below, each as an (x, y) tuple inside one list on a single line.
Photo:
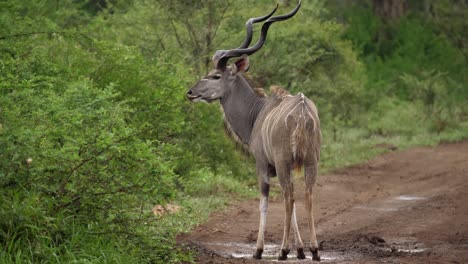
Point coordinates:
[(300, 253), (283, 254), (315, 254), (258, 254)]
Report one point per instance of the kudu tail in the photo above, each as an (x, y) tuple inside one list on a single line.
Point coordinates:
[(303, 139)]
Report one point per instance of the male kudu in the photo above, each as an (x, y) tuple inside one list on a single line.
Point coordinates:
[(281, 131)]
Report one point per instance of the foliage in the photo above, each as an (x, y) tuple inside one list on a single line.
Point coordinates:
[(412, 64), (95, 129), (75, 149)]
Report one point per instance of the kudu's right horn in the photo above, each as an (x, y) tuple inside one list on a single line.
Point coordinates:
[(221, 57), (248, 37)]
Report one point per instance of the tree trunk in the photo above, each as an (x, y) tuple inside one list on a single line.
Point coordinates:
[(390, 10)]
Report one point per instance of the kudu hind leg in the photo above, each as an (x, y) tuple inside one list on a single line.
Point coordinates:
[(288, 204), (297, 235), (310, 176), (285, 179), (297, 172)]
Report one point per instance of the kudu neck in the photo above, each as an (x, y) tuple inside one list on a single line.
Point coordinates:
[(241, 107)]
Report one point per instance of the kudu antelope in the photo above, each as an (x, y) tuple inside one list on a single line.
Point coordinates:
[(281, 131)]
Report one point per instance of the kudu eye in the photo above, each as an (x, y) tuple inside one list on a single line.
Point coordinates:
[(215, 77)]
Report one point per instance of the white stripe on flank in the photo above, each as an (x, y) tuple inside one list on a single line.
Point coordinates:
[(284, 110)]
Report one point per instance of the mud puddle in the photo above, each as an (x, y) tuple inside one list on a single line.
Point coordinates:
[(359, 248), (245, 251), (392, 204)]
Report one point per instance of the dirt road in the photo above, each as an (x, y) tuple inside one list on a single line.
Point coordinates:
[(402, 207)]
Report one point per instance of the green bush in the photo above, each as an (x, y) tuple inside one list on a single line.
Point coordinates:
[(415, 74), (392, 117), (79, 157)]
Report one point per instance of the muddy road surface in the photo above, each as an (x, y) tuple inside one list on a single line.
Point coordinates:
[(406, 206)]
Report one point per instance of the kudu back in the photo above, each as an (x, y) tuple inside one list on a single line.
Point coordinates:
[(282, 132)]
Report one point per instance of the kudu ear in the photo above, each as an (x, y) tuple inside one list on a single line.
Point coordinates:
[(241, 65)]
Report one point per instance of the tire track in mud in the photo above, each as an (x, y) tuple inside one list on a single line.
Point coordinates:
[(406, 206)]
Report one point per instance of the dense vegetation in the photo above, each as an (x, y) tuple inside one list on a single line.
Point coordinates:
[(95, 129)]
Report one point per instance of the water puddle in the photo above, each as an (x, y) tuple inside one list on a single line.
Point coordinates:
[(341, 250), (414, 250), (325, 257), (245, 251), (391, 205), (329, 256), (241, 255), (375, 208), (407, 244), (409, 198)]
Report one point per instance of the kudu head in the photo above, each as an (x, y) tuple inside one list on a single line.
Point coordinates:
[(222, 78)]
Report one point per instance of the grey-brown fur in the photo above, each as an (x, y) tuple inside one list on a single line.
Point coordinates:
[(282, 132)]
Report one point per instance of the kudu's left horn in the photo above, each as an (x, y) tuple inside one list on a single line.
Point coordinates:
[(248, 37), (221, 57)]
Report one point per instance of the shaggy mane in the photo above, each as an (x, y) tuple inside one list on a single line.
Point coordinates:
[(279, 92)]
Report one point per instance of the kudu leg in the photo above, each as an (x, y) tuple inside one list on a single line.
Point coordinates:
[(288, 194), (309, 182), (297, 235), (264, 190)]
